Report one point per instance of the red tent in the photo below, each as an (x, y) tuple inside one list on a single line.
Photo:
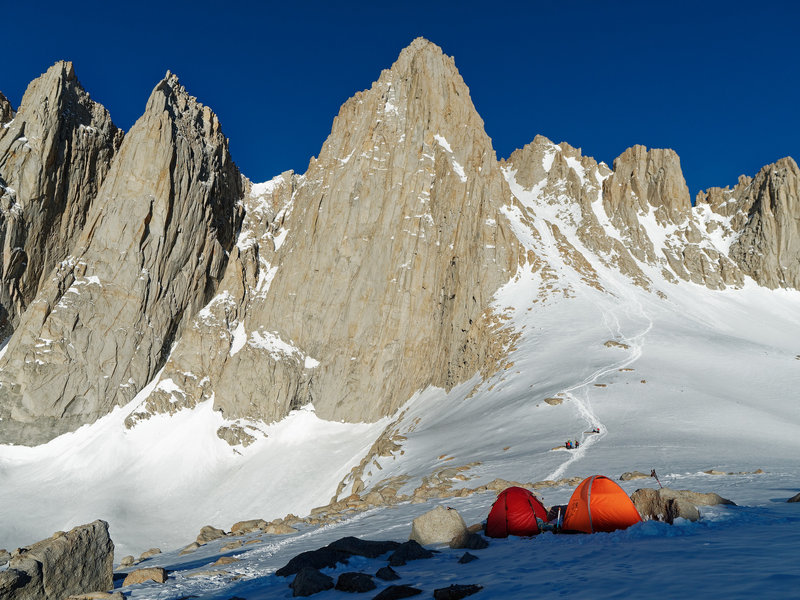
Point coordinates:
[(514, 513), (599, 504)]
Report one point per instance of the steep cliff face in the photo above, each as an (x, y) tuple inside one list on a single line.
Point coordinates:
[(54, 155), (760, 219), (560, 192), (647, 192), (376, 268), (6, 110), (636, 218), (152, 252)]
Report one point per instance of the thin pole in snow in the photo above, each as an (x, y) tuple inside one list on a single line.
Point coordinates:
[(654, 476)]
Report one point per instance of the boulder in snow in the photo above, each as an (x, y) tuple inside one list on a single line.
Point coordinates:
[(666, 504), (75, 562), (150, 553), (250, 526), (438, 526), (355, 583), (409, 550), (309, 581), (157, 574), (456, 591), (209, 534), (387, 574)]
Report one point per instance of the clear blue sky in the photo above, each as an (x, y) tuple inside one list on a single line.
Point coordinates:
[(719, 82)]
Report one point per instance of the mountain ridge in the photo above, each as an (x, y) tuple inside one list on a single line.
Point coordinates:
[(296, 304)]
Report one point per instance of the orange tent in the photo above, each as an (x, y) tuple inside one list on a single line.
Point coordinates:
[(599, 504)]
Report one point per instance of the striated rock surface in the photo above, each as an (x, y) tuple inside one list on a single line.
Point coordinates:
[(75, 562), (6, 111), (760, 219), (367, 278), (636, 219), (560, 198), (151, 255), (54, 156)]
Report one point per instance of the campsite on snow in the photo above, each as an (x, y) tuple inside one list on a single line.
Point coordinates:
[(414, 369)]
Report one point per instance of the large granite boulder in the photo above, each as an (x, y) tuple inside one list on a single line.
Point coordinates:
[(438, 526), (76, 562), (666, 504)]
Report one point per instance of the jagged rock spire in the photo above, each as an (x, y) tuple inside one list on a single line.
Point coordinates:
[(6, 110), (762, 220), (152, 252), (381, 260), (53, 157)]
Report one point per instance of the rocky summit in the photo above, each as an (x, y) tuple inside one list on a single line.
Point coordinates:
[(148, 260)]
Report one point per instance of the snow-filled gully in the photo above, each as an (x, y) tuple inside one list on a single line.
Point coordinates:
[(579, 394)]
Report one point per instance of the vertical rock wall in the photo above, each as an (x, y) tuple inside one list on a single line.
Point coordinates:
[(152, 252), (54, 156)]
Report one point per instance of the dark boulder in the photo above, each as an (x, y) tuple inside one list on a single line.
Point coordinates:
[(467, 558), (310, 581), (471, 541), (355, 582), (336, 552), (394, 592), (387, 574), (367, 548), (315, 559), (456, 592), (409, 550)]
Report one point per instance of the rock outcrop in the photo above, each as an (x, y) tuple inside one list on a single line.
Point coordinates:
[(152, 253), (438, 526), (760, 217), (666, 504), (636, 219), (6, 110), (75, 562), (367, 278), (156, 574), (54, 156)]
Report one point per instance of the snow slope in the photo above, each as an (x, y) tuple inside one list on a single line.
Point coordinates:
[(679, 378), (734, 552)]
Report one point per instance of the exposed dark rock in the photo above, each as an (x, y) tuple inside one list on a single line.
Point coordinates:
[(467, 558), (387, 574), (315, 559), (355, 582), (470, 541), (393, 592), (795, 498), (409, 550), (367, 548), (310, 581), (337, 552), (456, 591)]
